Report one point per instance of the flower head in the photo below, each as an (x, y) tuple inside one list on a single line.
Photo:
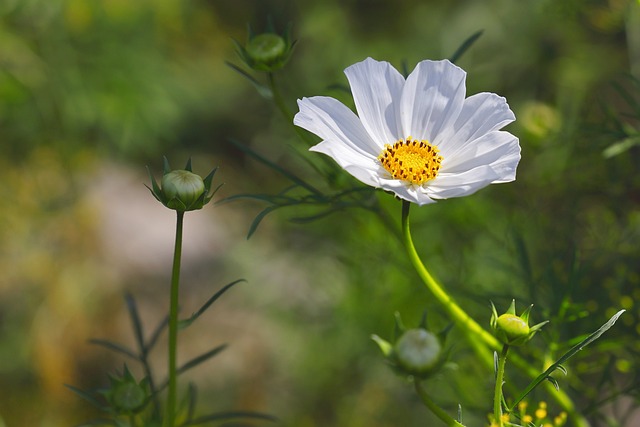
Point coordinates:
[(418, 137)]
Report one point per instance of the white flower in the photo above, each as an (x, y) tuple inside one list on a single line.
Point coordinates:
[(419, 138)]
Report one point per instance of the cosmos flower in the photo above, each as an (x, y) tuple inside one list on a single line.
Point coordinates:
[(418, 137)]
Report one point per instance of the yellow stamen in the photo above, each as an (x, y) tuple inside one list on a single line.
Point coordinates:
[(411, 160)]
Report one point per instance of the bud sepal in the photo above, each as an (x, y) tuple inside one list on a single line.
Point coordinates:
[(512, 329), (181, 189)]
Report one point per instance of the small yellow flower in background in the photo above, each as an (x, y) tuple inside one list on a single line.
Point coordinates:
[(540, 417), (541, 412), (419, 137)]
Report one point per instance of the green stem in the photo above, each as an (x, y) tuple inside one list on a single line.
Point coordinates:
[(470, 327), (172, 395), (477, 336), (278, 99), (438, 411), (497, 397)]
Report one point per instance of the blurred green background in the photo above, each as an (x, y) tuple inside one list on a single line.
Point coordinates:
[(91, 91)]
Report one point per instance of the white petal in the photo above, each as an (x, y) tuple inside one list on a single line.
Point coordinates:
[(335, 124), (498, 149), (445, 185), (481, 113), (376, 88), (362, 167), (432, 99), (412, 193)]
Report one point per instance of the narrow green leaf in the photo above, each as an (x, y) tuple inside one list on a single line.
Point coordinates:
[(202, 358), (193, 398), (620, 147), (263, 90), (210, 301), (115, 347), (258, 219), (188, 166), (166, 167), (135, 320), (465, 46), (156, 334), (275, 167), (269, 198), (86, 396), (554, 382), (316, 217), (194, 362), (562, 369), (591, 338)]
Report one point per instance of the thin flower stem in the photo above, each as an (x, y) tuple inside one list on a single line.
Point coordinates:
[(172, 395), (278, 99), (497, 397), (438, 411), (470, 326), (478, 337)]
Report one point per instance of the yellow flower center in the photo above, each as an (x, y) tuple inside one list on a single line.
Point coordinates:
[(411, 160)]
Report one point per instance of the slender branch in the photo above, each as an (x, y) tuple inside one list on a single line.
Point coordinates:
[(438, 411), (172, 395)]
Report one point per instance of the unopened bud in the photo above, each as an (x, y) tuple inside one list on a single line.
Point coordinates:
[(182, 190), (183, 186), (266, 49), (418, 351), (512, 329)]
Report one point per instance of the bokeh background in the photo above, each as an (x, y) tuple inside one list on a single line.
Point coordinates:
[(92, 91)]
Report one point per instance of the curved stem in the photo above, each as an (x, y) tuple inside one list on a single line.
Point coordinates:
[(470, 327), (438, 411), (477, 336), (173, 324), (497, 396)]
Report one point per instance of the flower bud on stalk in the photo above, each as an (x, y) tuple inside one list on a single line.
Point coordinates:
[(182, 190), (511, 329), (417, 352), (125, 395), (267, 51)]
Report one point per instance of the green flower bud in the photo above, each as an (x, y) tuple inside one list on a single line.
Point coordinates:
[(266, 48), (182, 186), (512, 326), (125, 395), (418, 351), (267, 51), (182, 190), (511, 329)]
